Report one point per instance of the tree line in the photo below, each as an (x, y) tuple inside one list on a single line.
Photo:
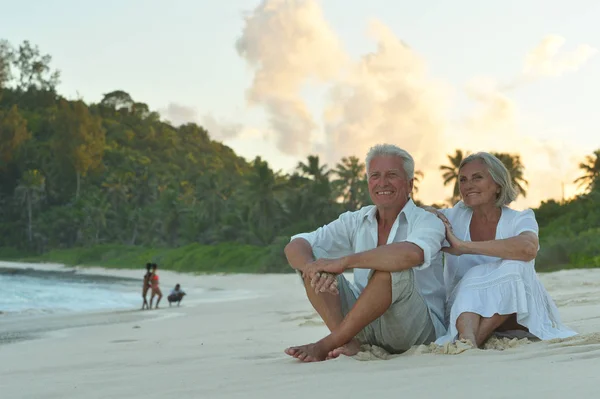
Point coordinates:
[(75, 174)]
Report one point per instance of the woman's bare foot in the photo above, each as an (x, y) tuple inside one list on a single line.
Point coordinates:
[(316, 352), (468, 339), (350, 349)]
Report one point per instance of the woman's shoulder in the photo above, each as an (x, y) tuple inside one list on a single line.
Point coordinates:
[(458, 211), (516, 222), (514, 214)]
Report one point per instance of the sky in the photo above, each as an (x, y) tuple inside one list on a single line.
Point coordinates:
[(284, 79)]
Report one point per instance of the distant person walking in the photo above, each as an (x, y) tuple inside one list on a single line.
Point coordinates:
[(154, 285), (146, 286)]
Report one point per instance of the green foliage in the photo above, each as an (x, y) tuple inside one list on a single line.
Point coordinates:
[(26, 68), (12, 254), (222, 258), (111, 184), (590, 177), (569, 233), (108, 182)]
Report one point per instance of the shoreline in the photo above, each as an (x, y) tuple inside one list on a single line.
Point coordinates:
[(19, 327)]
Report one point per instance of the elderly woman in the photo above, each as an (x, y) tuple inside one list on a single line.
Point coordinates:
[(491, 283)]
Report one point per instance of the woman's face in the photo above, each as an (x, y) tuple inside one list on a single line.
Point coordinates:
[(476, 184)]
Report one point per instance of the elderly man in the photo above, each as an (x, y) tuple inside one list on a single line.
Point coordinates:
[(397, 298)]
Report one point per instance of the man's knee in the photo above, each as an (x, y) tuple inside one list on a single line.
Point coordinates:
[(402, 284), (380, 277)]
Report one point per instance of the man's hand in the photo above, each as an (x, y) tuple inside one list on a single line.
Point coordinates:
[(323, 274), (324, 282), (334, 266)]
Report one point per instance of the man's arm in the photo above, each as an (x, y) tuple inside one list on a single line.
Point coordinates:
[(419, 248), (392, 257), (298, 253), (334, 240)]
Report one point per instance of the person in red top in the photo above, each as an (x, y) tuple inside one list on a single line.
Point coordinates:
[(154, 285)]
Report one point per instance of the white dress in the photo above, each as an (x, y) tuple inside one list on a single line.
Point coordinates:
[(488, 285)]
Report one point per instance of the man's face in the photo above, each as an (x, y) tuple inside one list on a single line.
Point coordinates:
[(388, 184)]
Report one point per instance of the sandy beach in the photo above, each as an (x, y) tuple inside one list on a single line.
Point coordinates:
[(234, 349)]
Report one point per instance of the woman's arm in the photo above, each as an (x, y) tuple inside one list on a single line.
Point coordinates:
[(523, 247)]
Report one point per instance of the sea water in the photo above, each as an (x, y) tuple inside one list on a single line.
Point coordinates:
[(37, 292), (28, 291)]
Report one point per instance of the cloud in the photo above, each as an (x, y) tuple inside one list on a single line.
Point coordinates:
[(288, 44), (495, 113), (220, 130), (384, 96), (178, 114), (545, 60), (493, 125), (388, 95)]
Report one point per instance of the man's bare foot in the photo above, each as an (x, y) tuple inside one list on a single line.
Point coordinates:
[(316, 352), (350, 349)]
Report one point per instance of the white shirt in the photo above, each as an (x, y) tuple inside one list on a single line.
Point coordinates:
[(511, 224), (355, 232)]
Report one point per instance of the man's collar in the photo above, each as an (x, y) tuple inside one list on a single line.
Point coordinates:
[(407, 209)]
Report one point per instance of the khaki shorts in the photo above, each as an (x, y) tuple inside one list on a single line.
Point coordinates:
[(406, 322)]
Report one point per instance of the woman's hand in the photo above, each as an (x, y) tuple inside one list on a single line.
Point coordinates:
[(456, 245)]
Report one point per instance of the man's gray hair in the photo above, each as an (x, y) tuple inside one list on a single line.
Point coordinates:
[(499, 174), (408, 163)]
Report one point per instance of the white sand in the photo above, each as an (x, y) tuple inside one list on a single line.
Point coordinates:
[(235, 350)]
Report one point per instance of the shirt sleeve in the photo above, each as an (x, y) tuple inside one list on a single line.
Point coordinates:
[(525, 221), (333, 240), (449, 214), (428, 234)]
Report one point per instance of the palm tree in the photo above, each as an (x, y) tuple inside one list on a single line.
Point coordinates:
[(451, 174), (212, 191), (591, 172), (312, 169), (351, 182), (29, 191), (319, 177), (416, 180), (264, 211), (515, 168), (95, 208)]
